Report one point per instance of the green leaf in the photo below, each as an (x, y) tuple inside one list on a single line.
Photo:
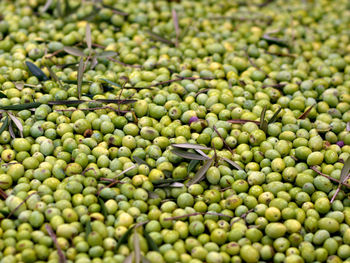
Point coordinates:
[(345, 171), (80, 76), (37, 72), (176, 25), (159, 38), (233, 163), (140, 161), (66, 102), (4, 125), (263, 122), (61, 256), (17, 122), (166, 181), (145, 260), (88, 228), (111, 83), (192, 165), (275, 115), (274, 40), (46, 6), (88, 36), (74, 51), (19, 107), (121, 101), (136, 243), (59, 8), (124, 238), (4, 212), (2, 95), (190, 146), (129, 259), (151, 244), (107, 54), (103, 207), (188, 155), (306, 113), (201, 173)]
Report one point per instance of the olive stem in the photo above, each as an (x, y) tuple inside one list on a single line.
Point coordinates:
[(330, 178)]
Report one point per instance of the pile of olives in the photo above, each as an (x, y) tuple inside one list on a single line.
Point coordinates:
[(174, 131)]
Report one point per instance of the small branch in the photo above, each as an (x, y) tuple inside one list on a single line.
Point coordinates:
[(20, 204), (243, 216), (218, 133), (61, 256), (330, 178), (176, 26), (124, 64), (239, 121)]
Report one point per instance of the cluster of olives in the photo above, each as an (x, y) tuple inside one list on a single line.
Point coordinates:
[(174, 131)]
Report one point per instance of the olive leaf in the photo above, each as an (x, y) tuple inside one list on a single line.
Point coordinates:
[(345, 171), (46, 6), (136, 243), (275, 115), (176, 26), (54, 76), (124, 238), (17, 122), (106, 54), (61, 256), (3, 194), (166, 182), (37, 72), (129, 259), (12, 133), (66, 102), (111, 82), (88, 228), (192, 165), (344, 176), (239, 121), (115, 10), (263, 122), (306, 113), (19, 107), (4, 212), (159, 38), (117, 101), (59, 8), (140, 161), (4, 124), (199, 176), (152, 245), (188, 155), (74, 51), (88, 36), (103, 207), (233, 163), (190, 146), (80, 76), (275, 40)]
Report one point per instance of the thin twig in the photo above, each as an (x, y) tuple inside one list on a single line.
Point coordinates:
[(20, 204), (222, 138), (329, 177), (61, 256)]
